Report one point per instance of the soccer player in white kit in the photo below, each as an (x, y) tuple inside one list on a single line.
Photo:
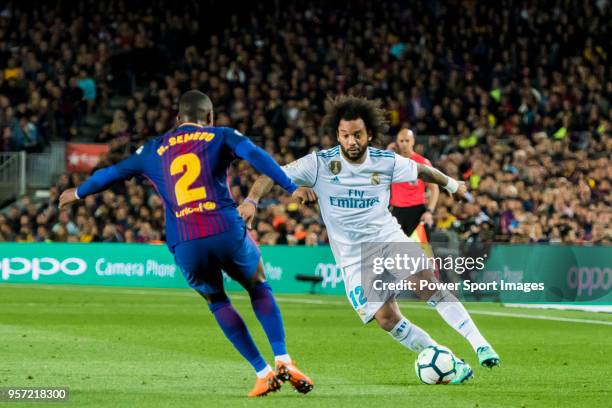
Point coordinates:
[(352, 184)]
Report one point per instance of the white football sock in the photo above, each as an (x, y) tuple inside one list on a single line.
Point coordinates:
[(453, 313), (283, 358), (262, 373), (411, 336)]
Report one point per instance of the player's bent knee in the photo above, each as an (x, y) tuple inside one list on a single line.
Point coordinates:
[(260, 290), (252, 283), (258, 277), (216, 301), (426, 275)]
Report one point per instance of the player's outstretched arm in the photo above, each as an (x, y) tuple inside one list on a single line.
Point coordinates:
[(432, 175), (263, 185), (102, 179), (259, 159), (260, 188)]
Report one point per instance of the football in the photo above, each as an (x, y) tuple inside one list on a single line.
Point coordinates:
[(435, 365)]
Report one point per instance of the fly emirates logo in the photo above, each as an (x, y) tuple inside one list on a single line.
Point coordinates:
[(355, 199)]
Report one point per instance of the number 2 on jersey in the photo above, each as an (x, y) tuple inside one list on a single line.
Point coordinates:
[(189, 165)]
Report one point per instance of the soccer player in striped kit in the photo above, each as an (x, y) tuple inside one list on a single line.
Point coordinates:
[(188, 167)]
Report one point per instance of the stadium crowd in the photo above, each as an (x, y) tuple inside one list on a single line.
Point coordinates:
[(51, 74), (518, 94)]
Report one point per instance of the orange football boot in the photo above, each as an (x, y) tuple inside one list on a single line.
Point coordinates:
[(264, 386), (289, 372)]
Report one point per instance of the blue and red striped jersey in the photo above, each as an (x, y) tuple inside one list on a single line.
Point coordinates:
[(188, 167)]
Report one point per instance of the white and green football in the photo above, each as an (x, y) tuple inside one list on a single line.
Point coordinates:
[(435, 365)]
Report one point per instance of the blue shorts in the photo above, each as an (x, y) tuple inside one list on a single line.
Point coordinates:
[(202, 260)]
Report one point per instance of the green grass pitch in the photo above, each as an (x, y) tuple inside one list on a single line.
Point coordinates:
[(118, 347)]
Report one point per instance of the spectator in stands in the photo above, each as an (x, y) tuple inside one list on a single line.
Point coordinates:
[(88, 86)]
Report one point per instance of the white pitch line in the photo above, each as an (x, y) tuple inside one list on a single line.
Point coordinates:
[(542, 317), (298, 300), (128, 291)]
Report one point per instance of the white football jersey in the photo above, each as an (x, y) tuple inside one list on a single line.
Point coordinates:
[(354, 198)]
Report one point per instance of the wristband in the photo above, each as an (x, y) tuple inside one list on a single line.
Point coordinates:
[(76, 193), (452, 185), (248, 200)]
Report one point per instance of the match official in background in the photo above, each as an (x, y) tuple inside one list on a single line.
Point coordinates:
[(408, 201)]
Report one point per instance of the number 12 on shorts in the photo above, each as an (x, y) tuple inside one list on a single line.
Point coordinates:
[(357, 297)]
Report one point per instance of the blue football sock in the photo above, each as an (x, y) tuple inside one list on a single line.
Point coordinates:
[(269, 316), (236, 331)]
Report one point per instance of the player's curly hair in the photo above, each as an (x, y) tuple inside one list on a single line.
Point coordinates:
[(348, 107)]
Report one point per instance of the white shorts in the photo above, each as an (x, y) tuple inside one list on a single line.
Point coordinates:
[(356, 294), (355, 291)]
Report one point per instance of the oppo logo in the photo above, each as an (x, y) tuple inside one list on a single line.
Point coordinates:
[(41, 266), (585, 280), (331, 274)]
